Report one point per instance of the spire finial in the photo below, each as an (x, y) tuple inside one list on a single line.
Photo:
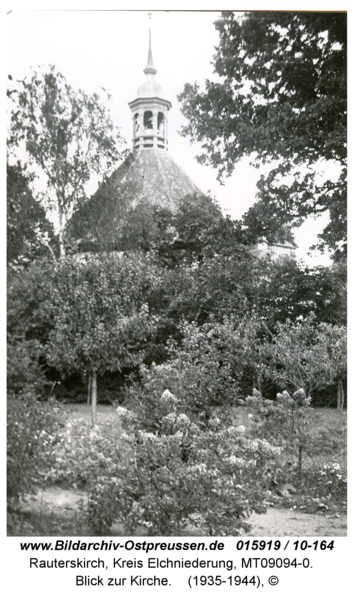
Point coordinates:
[(150, 64)]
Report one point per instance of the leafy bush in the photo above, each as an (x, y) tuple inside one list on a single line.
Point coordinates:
[(32, 431), (307, 355), (286, 422), (191, 467), (84, 453), (334, 478), (23, 368), (204, 370), (185, 476)]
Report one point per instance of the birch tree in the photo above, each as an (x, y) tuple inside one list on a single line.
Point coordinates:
[(67, 136)]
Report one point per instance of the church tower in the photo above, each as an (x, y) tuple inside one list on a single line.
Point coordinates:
[(150, 111), (154, 174), (147, 177)]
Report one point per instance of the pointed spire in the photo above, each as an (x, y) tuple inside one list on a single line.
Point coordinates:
[(150, 63)]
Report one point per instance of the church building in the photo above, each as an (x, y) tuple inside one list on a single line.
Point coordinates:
[(147, 178)]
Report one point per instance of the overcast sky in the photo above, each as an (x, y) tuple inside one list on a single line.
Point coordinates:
[(104, 48)]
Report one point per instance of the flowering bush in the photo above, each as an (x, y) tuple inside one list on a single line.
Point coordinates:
[(183, 476), (200, 371), (334, 478), (83, 453)]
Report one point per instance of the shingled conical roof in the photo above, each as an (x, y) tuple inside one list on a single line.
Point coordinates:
[(155, 178), (146, 187)]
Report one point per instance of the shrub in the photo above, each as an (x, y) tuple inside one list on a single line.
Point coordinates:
[(202, 371), (334, 478), (186, 476), (83, 453), (23, 370), (286, 422), (32, 431), (307, 355)]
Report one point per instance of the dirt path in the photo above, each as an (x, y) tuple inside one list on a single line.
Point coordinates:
[(277, 522), (281, 522)]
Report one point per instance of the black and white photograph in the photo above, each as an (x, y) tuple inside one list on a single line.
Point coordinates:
[(176, 287)]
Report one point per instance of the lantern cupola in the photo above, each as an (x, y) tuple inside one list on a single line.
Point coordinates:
[(149, 111)]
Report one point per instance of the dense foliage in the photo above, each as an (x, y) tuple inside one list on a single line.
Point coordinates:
[(33, 429), (110, 220), (29, 233), (184, 476), (281, 97), (183, 463), (307, 356), (286, 422), (101, 316), (64, 314)]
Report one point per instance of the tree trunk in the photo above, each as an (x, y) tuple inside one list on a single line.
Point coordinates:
[(61, 243), (340, 400), (62, 221), (94, 398), (340, 395), (300, 460), (89, 386)]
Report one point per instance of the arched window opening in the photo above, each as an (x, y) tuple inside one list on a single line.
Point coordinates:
[(148, 120), (161, 124), (136, 122)]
